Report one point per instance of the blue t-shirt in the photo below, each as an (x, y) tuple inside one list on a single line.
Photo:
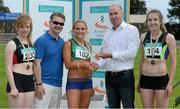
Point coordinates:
[(49, 51)]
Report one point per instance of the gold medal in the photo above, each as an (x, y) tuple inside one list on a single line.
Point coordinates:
[(27, 66), (152, 62)]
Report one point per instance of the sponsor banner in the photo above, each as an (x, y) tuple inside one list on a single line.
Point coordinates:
[(40, 11), (95, 13)]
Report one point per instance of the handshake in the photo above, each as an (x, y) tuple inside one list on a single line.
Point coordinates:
[(94, 65)]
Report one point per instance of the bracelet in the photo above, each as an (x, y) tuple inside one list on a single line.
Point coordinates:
[(38, 84)]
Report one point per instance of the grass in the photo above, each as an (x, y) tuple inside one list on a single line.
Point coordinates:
[(176, 79), (3, 97)]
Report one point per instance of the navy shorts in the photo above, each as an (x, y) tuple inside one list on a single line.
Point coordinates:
[(24, 83), (79, 83)]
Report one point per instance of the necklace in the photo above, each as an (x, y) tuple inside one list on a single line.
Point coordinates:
[(153, 47), (28, 53)]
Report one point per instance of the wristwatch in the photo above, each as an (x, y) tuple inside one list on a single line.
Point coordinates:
[(38, 84)]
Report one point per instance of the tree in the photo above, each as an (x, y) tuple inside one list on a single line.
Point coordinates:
[(3, 8), (177, 100), (174, 16), (174, 11), (137, 7)]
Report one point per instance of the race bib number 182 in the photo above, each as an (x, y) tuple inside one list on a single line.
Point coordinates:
[(83, 54)]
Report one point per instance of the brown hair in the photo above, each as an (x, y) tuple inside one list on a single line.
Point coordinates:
[(23, 20), (162, 27), (79, 21), (58, 15)]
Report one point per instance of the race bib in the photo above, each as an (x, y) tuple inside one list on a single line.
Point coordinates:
[(81, 53), (157, 50), (27, 55)]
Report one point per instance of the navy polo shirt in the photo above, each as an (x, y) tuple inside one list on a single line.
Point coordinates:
[(49, 51)]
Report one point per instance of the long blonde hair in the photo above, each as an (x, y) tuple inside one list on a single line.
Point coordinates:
[(23, 20)]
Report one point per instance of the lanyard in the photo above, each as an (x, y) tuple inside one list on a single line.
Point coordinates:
[(28, 53), (88, 48), (153, 46)]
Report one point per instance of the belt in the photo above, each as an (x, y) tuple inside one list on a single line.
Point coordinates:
[(118, 73), (80, 79)]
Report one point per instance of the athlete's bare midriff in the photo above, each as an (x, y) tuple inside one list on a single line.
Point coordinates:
[(79, 73), (158, 69), (22, 68)]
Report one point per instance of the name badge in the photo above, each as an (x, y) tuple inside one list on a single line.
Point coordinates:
[(81, 53)]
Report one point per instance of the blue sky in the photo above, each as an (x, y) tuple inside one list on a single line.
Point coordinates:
[(162, 5)]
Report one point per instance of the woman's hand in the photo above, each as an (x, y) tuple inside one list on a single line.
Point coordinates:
[(90, 66), (93, 67), (169, 90), (14, 93)]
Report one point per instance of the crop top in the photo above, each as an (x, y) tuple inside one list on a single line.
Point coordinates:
[(78, 52), (161, 50), (21, 54)]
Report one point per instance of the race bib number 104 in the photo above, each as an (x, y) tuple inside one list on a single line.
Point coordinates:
[(157, 51)]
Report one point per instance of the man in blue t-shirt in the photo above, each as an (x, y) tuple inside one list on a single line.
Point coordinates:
[(48, 67)]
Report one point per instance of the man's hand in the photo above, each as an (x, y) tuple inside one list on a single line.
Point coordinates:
[(104, 55), (40, 91)]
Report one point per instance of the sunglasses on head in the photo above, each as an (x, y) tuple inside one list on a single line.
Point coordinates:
[(57, 23)]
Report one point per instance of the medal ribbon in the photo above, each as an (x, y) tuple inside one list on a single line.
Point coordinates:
[(153, 46), (88, 49), (27, 52)]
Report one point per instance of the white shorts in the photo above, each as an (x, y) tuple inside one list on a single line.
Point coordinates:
[(51, 99)]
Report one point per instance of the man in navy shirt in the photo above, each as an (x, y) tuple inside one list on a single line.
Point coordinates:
[(48, 68)]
